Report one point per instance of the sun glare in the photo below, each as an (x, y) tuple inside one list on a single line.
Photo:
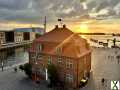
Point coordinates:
[(81, 28), (84, 28)]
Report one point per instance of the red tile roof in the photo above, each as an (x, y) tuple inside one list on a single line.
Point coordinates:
[(56, 35), (72, 45)]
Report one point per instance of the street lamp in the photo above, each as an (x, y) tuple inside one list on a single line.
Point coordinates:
[(2, 65), (46, 73)]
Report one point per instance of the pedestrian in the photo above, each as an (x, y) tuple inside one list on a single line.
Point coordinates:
[(15, 69), (2, 66), (102, 81), (104, 84)]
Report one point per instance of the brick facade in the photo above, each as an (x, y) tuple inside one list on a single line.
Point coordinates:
[(70, 54)]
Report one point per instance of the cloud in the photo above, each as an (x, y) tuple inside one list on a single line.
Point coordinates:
[(34, 11), (13, 4)]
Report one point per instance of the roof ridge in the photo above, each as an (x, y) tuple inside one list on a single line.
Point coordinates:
[(61, 43), (56, 34), (64, 42)]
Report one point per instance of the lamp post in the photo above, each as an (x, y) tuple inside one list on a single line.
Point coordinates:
[(2, 65), (46, 74), (36, 71), (36, 55)]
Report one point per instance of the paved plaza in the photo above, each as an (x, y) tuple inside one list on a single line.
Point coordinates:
[(10, 80), (104, 65)]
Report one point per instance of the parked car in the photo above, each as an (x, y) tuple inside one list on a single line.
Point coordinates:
[(83, 82)]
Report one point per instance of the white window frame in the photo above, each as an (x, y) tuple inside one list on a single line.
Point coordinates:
[(59, 50), (69, 64), (49, 59), (32, 55), (40, 57), (39, 47), (69, 77), (59, 59)]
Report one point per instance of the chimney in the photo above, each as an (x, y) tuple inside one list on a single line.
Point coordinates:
[(56, 26), (64, 26)]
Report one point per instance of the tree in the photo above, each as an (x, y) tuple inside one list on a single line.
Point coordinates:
[(52, 75), (21, 67), (27, 69)]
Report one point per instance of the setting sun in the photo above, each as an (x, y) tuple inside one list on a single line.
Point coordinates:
[(83, 28)]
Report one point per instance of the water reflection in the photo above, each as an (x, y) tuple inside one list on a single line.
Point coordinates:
[(13, 56)]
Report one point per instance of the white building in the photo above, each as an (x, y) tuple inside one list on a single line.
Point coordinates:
[(29, 34), (2, 37), (18, 37)]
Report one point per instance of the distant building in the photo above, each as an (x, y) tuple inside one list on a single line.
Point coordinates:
[(30, 33), (18, 37), (2, 38), (69, 52), (6, 37), (9, 36)]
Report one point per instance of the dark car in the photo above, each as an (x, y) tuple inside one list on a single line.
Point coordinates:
[(83, 82)]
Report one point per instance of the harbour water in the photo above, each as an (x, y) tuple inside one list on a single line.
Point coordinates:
[(13, 56), (104, 63), (102, 38)]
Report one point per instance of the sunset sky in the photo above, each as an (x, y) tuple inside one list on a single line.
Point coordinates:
[(79, 15)]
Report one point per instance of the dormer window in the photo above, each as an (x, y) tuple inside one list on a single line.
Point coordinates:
[(59, 51)]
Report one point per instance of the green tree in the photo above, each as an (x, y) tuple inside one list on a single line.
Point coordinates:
[(52, 75), (21, 67), (27, 69)]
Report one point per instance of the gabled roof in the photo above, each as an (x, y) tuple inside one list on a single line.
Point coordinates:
[(74, 47), (56, 35), (72, 44)]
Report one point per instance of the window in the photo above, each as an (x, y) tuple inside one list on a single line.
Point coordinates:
[(87, 46), (59, 51), (49, 59), (32, 56), (69, 78), (39, 56), (59, 59), (69, 64), (39, 47)]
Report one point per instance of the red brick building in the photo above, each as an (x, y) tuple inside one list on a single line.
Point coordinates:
[(69, 52)]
